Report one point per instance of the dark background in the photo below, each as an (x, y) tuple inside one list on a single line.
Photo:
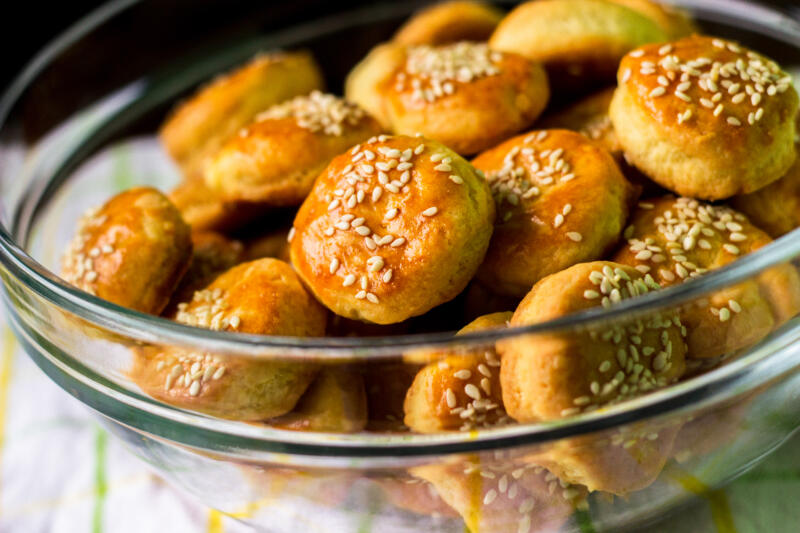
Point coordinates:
[(30, 24)]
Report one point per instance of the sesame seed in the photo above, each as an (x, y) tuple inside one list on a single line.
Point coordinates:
[(658, 91), (575, 236), (431, 211), (724, 314), (730, 248), (472, 391), (450, 397), (387, 276), (334, 266), (349, 280), (372, 298), (456, 179), (733, 121)]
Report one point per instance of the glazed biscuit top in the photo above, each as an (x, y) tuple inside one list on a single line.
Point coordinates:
[(679, 238), (529, 170), (380, 211), (708, 84)]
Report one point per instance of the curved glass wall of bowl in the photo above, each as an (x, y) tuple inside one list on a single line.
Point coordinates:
[(715, 425)]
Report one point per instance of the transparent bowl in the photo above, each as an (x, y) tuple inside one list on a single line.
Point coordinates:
[(78, 124)]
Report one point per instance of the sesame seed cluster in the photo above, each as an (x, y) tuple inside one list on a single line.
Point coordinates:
[(79, 263), (641, 365), (735, 89), (526, 173), (208, 309), (317, 112), (685, 230), (373, 173), (473, 397), (512, 482), (435, 72), (189, 371)]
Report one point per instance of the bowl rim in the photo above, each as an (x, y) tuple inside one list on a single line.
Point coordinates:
[(148, 328)]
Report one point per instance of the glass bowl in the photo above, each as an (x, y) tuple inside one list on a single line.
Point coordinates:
[(78, 125)]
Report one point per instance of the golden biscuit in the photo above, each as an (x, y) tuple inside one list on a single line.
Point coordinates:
[(705, 117), (460, 391), (555, 375), (776, 207), (334, 402), (580, 42), (450, 22), (496, 495), (464, 95), (275, 159), (674, 239), (202, 209), (550, 376), (260, 297), (199, 126), (212, 254), (617, 461), (392, 228), (589, 117), (561, 199), (675, 22), (132, 251)]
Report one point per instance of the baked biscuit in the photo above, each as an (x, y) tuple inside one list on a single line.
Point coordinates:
[(776, 207), (461, 390), (504, 495), (199, 125), (704, 117), (550, 376), (275, 159), (561, 199), (675, 22), (450, 22), (675, 239), (554, 375), (212, 254), (260, 297), (132, 251), (580, 42), (589, 117), (334, 402), (464, 95), (391, 229)]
